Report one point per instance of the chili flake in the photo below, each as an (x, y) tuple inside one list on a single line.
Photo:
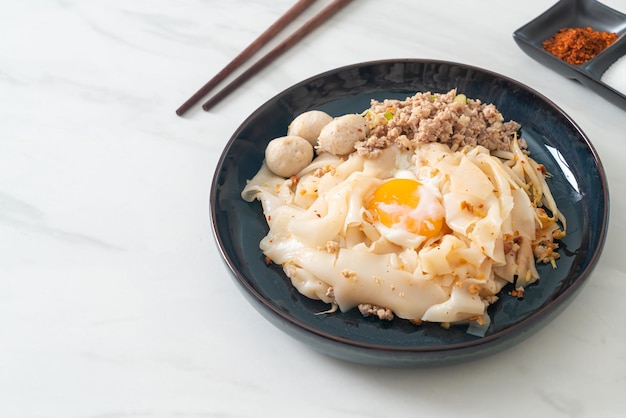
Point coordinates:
[(578, 45)]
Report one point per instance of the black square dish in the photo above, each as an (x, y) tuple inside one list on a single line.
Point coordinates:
[(578, 14)]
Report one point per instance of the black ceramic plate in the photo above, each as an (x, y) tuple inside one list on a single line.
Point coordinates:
[(578, 184), (578, 14)]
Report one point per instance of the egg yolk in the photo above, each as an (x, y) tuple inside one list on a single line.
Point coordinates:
[(396, 204)]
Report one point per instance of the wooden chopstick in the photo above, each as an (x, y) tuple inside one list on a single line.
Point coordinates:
[(259, 42), (290, 41)]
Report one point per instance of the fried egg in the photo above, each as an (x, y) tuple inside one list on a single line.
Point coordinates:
[(406, 211)]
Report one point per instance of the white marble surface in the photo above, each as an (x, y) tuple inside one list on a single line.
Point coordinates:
[(113, 300)]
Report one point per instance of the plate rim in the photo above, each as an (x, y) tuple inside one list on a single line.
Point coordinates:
[(526, 322)]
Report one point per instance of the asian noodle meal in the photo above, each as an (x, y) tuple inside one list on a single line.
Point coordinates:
[(423, 209)]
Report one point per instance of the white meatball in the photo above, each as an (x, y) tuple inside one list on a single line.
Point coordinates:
[(287, 155), (309, 124), (339, 136)]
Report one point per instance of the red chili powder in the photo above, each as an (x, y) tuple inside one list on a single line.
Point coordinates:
[(578, 45)]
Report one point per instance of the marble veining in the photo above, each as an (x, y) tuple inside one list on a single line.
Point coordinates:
[(114, 302)]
